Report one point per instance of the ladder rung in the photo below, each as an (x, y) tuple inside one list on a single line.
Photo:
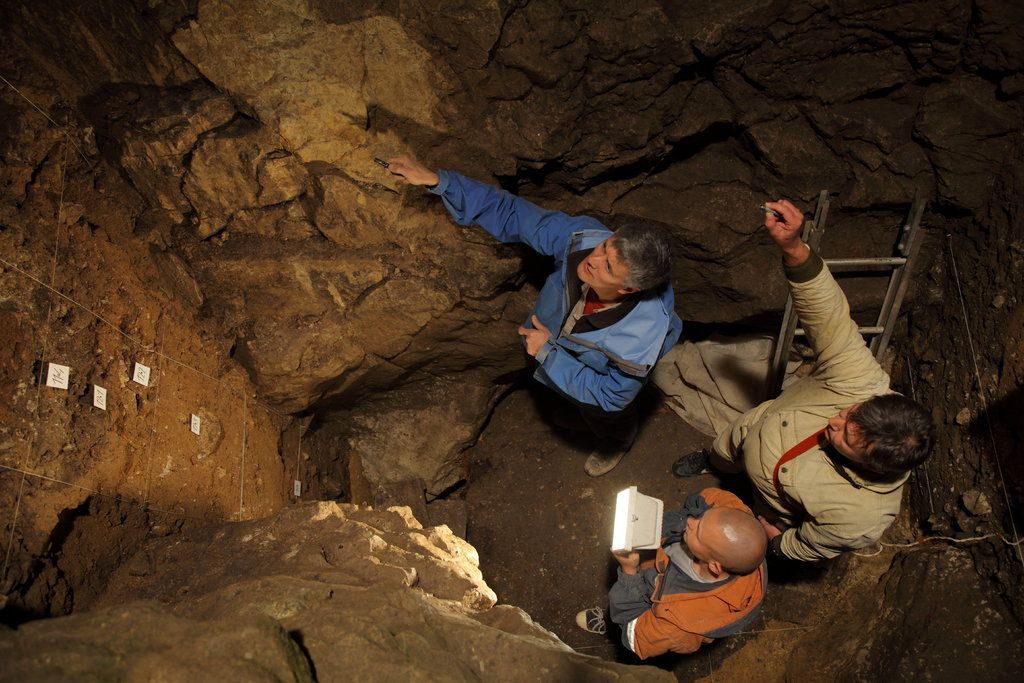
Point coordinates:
[(885, 262), (863, 330)]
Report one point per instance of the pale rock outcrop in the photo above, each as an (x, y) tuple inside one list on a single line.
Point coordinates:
[(239, 168), (335, 592), (317, 87)]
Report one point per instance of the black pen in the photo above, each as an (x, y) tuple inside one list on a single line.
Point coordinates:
[(381, 162), (773, 212)]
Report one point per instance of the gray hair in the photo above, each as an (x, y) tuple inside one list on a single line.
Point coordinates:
[(647, 254)]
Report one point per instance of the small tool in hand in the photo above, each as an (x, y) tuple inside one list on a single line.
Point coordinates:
[(773, 212), (381, 162)]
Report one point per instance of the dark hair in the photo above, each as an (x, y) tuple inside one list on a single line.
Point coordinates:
[(898, 431), (647, 254)]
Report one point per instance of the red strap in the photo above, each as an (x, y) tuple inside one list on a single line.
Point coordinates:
[(593, 303), (796, 450)]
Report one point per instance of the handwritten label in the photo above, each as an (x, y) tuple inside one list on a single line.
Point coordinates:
[(99, 397), (57, 375), (297, 488), (140, 374), (194, 424)]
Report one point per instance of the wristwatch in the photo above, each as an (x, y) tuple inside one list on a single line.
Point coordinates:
[(775, 548)]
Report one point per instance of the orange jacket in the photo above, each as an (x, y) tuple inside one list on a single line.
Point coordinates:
[(680, 622)]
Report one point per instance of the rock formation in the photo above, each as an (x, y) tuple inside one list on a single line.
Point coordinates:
[(319, 592), (191, 186)]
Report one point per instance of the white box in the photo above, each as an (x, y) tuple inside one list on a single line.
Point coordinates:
[(194, 424), (637, 521), (297, 488)]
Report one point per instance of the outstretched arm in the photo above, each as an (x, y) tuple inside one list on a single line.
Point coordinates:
[(841, 355), (505, 216)]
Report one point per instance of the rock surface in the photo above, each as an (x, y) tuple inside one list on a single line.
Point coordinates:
[(322, 591), (216, 202), (252, 155), (919, 628), (84, 284), (145, 641)]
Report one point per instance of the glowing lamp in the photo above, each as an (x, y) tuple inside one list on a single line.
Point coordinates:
[(637, 521)]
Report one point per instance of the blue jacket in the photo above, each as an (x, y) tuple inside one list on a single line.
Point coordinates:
[(605, 367)]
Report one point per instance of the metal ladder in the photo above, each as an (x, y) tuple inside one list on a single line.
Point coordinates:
[(898, 267)]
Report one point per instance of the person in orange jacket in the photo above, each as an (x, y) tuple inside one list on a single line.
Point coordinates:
[(707, 580)]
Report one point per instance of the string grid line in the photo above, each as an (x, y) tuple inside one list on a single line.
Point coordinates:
[(154, 419), (984, 402), (241, 478), (950, 539), (24, 470), (44, 335), (65, 130)]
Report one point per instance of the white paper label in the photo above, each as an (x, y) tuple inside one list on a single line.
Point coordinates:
[(194, 424), (99, 397), (297, 488), (57, 375), (141, 374)]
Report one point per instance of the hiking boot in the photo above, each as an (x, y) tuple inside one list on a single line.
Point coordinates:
[(602, 462), (692, 464), (592, 620)]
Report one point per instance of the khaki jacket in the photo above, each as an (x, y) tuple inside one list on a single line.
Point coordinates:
[(840, 509)]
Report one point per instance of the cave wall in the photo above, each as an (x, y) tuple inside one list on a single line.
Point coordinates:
[(82, 284), (966, 359), (249, 132), (624, 110), (320, 591), (218, 204)]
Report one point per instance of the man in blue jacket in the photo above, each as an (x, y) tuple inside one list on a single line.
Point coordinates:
[(604, 316)]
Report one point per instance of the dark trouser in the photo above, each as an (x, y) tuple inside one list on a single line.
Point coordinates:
[(614, 431)]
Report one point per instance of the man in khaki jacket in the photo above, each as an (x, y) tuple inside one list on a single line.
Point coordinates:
[(830, 455)]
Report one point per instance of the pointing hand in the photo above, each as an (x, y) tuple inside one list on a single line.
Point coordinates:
[(412, 171)]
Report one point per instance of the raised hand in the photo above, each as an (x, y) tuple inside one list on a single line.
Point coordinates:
[(785, 231), (411, 171)]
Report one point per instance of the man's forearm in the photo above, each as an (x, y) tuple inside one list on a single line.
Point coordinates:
[(796, 255), (793, 545), (804, 270), (627, 598), (505, 216), (610, 392)]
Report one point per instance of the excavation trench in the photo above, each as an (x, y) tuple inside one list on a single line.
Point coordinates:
[(264, 333)]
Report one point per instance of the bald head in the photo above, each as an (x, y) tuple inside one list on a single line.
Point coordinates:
[(735, 539)]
